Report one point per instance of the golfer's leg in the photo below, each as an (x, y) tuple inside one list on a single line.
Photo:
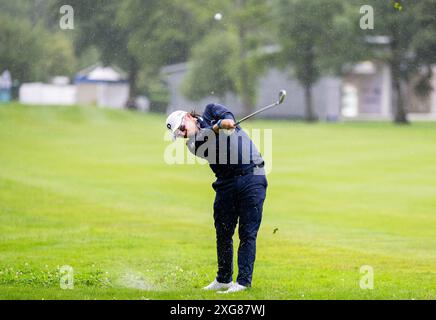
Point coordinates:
[(250, 216), (225, 217)]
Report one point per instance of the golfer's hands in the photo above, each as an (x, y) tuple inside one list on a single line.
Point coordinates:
[(227, 124)]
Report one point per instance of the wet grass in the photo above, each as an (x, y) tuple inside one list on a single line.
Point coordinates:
[(89, 188)]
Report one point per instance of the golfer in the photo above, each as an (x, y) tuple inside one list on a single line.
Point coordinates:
[(240, 187)]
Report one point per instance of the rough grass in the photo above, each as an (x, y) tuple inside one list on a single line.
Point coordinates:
[(88, 188)]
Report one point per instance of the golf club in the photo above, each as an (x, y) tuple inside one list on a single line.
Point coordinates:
[(282, 96)]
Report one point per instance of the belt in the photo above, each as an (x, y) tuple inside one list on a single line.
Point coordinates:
[(241, 172)]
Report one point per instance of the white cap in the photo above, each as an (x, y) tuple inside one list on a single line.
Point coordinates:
[(174, 121)]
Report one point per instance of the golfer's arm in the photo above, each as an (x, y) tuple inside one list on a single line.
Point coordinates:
[(225, 124), (221, 113)]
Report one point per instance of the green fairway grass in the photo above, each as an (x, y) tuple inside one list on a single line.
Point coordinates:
[(89, 188)]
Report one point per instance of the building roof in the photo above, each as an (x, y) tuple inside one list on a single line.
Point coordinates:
[(98, 73)]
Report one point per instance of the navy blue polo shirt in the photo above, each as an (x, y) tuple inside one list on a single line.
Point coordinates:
[(240, 152)]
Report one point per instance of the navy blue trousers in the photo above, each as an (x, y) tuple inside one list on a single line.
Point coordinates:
[(238, 198)]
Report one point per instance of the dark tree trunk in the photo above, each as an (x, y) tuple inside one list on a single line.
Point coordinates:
[(246, 97), (132, 78), (398, 103), (308, 76), (245, 91), (309, 112)]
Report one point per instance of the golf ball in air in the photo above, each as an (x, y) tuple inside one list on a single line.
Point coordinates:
[(218, 16)]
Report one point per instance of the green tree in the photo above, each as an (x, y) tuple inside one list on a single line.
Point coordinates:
[(234, 65), (161, 32), (19, 50), (139, 36), (209, 72), (250, 24), (98, 26), (312, 37), (409, 28), (58, 58), (31, 53)]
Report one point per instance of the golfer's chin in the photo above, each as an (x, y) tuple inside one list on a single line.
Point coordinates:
[(184, 137), (189, 135)]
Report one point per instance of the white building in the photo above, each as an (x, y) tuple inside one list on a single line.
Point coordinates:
[(96, 85), (367, 92), (59, 92), (326, 93), (102, 86), (364, 93)]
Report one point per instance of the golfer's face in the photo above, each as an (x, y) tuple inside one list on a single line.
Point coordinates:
[(188, 128)]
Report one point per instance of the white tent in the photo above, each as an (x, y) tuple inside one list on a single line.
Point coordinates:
[(104, 86), (47, 94)]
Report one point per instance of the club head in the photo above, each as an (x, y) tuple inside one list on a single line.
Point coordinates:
[(282, 96)]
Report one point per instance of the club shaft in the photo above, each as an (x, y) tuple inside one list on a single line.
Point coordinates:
[(258, 111)]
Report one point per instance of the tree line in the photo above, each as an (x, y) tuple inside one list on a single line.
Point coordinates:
[(229, 44)]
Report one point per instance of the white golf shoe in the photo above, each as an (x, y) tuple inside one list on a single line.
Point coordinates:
[(215, 285), (236, 287)]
